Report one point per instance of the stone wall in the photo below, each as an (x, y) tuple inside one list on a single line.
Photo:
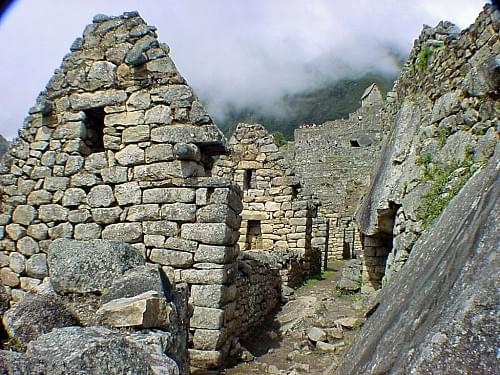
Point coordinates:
[(335, 160), (443, 117), (119, 148), (276, 215)]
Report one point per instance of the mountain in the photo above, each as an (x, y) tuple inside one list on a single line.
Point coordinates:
[(332, 101)]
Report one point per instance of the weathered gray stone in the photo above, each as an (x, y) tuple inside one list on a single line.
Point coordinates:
[(178, 212), (214, 254), (130, 155), (17, 262), (138, 280), (36, 266), (125, 232), (208, 339), (97, 99), (136, 55), (316, 334), (106, 215), (124, 118), (209, 295), (23, 215), (8, 277), (187, 151), (138, 100), (174, 95), (115, 175), (39, 197), (159, 114), (73, 165), (147, 310), (100, 196), (207, 318), (27, 246), (135, 134), (168, 195), (55, 183), (172, 258), (73, 350), (15, 231), (101, 73), (90, 231), (164, 170), (176, 243), (212, 234), (74, 197), (89, 266), (218, 213), (143, 212), (160, 152), (35, 315), (161, 227), (128, 193)]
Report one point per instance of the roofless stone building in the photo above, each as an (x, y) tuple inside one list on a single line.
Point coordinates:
[(118, 147)]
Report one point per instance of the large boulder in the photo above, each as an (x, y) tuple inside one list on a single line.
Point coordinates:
[(35, 315), (439, 313), (96, 351), (137, 281), (89, 266)]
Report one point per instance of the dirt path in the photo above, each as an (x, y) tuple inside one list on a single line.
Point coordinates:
[(283, 345)]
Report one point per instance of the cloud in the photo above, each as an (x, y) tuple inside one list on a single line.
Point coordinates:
[(233, 52)]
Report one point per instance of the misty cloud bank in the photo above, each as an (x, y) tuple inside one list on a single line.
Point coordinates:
[(236, 54)]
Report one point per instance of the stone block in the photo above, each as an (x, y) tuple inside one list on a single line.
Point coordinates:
[(138, 100), (70, 130), (23, 214), (16, 262), (36, 266), (143, 212), (165, 170), (176, 96), (169, 195), (55, 183), (130, 155), (106, 215), (115, 175), (124, 232), (8, 277), (208, 339), (15, 231), (160, 114), (73, 197), (100, 196), (63, 230), (90, 231), (159, 152), (84, 179), (176, 243), (135, 134), (218, 213), (207, 318), (213, 295), (124, 118), (160, 227), (174, 258), (147, 310), (89, 266), (39, 197), (211, 276), (27, 246), (214, 254), (209, 233), (128, 193), (178, 212), (205, 358)]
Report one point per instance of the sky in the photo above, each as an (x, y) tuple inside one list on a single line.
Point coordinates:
[(234, 53)]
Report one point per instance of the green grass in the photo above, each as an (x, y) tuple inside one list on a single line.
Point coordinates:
[(311, 280), (423, 58), (443, 188)]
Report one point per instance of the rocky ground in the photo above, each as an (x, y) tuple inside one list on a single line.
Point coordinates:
[(308, 335)]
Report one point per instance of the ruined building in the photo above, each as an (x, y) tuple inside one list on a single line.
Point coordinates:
[(118, 147), (334, 161), (277, 217)]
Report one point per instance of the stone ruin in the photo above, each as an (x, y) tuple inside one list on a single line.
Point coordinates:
[(118, 148), (277, 217), (335, 161)]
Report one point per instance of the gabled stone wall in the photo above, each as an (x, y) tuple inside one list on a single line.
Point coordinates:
[(276, 215), (118, 147)]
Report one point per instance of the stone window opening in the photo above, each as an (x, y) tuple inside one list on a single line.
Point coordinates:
[(249, 179), (254, 235), (354, 143), (94, 123)]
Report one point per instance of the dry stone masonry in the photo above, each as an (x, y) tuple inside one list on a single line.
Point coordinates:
[(277, 217), (119, 148), (335, 160), (444, 111)]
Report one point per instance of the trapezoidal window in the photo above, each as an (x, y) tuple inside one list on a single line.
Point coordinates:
[(94, 123), (354, 143), (254, 235), (249, 179)]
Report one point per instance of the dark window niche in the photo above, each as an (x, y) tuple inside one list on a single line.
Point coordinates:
[(94, 123)]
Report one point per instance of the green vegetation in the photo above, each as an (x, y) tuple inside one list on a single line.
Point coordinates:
[(279, 139), (446, 182), (423, 57), (425, 161), (311, 280), (345, 294)]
